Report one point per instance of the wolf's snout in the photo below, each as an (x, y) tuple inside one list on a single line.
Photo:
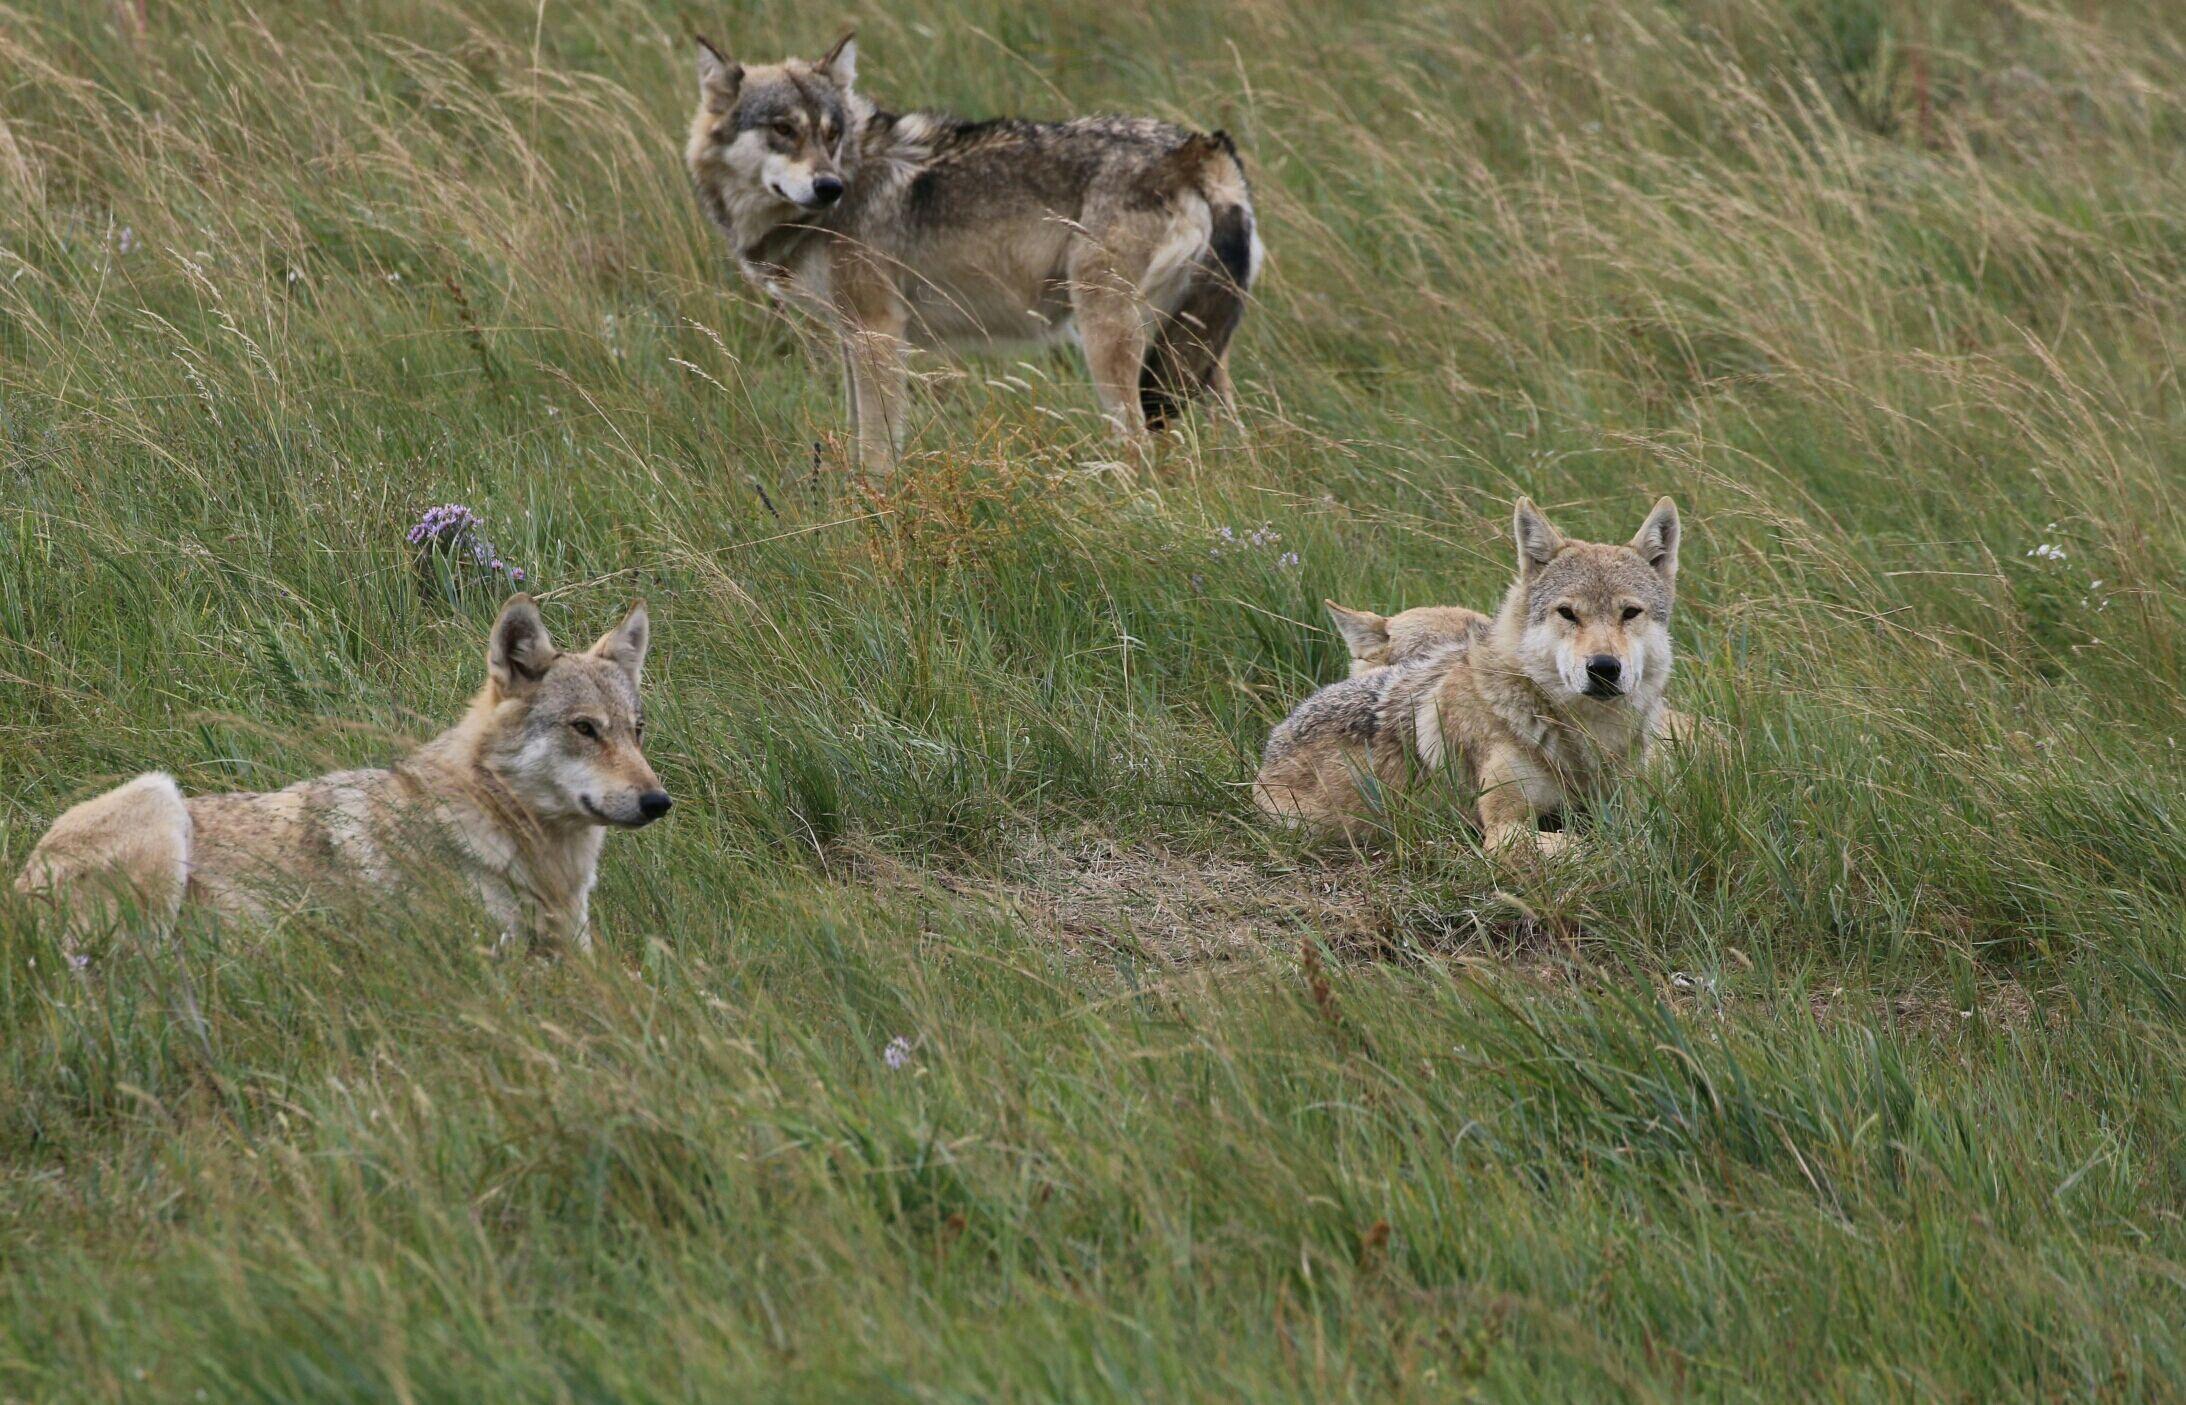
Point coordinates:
[(653, 804), (1604, 676), (826, 190)]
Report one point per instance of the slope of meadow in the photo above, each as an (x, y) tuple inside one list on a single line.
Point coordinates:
[(1848, 1063)]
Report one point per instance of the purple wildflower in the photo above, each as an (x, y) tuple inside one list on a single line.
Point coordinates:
[(454, 531), (1261, 538), (898, 1052)]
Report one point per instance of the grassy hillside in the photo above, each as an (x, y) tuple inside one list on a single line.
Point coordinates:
[(1851, 1064)]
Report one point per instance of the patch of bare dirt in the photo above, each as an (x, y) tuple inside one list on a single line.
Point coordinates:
[(1095, 898)]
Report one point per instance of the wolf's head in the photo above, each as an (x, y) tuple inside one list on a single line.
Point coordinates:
[(783, 133), (1380, 641), (1592, 621), (562, 730)]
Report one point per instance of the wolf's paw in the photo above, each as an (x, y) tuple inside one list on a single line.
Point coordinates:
[(1684, 732), (1518, 842)]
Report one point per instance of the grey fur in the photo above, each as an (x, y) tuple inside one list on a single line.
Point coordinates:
[(1135, 236)]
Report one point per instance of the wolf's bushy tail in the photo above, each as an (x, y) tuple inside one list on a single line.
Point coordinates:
[(1188, 346), (123, 853)]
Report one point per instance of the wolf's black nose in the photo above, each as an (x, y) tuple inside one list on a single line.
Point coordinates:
[(654, 803), (1602, 673), (826, 190)]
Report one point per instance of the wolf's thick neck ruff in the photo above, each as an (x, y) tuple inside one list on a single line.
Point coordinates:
[(551, 862)]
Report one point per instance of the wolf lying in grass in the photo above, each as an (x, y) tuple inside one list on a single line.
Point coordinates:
[(929, 230), (514, 799), (1531, 710)]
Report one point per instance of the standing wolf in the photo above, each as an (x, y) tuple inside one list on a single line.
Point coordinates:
[(514, 800), (927, 230), (1537, 708)]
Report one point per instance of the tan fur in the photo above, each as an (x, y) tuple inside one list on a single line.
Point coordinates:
[(1520, 710), (923, 230), (512, 800), (1378, 641)]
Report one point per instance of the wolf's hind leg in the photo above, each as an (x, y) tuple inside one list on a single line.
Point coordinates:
[(1223, 390), (122, 853), (1112, 322)]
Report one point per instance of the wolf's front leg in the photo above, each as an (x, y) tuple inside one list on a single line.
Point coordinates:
[(873, 320), (878, 395), (505, 913), (574, 928), (1509, 817), (1675, 732), (850, 389)]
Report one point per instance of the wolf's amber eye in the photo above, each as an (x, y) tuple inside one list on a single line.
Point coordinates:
[(785, 129), (1633, 612), (584, 727), (1568, 613)]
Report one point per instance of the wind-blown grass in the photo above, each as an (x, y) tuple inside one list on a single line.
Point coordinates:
[(1851, 1063)]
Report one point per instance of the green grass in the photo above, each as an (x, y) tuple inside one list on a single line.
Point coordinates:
[(1850, 1064)]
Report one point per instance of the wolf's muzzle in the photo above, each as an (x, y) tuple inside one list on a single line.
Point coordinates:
[(1604, 676)]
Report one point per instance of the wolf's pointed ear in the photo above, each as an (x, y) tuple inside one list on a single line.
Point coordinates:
[(841, 62), (624, 645), (519, 650), (1537, 540), (719, 77), (1363, 631), (1657, 539)]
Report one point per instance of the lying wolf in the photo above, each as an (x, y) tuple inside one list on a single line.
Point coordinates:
[(926, 230), (515, 800), (1530, 711)]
